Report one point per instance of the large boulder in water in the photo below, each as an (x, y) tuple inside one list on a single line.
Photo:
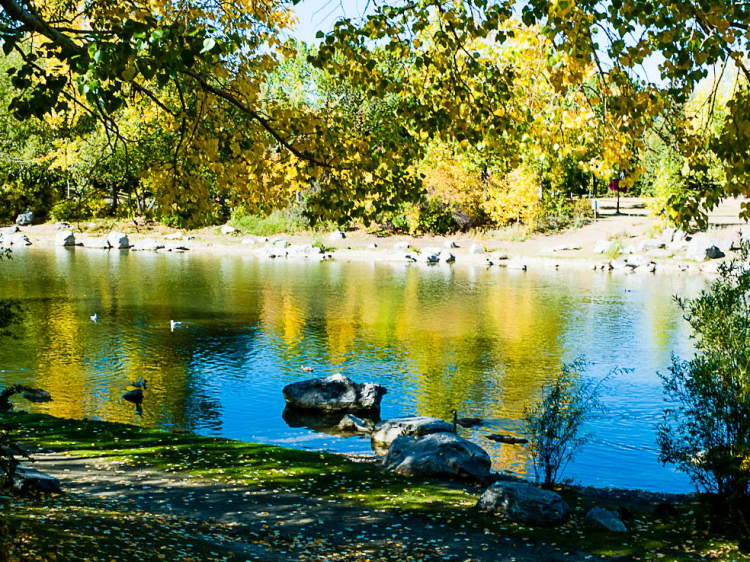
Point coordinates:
[(118, 240), (438, 455), (336, 393), (524, 503), (387, 431)]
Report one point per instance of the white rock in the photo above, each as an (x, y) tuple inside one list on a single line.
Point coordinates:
[(650, 244), (65, 238), (149, 244), (19, 239), (638, 261), (516, 263), (604, 246), (226, 229), (248, 241), (446, 257), (372, 246), (100, 243), (118, 240), (428, 257), (476, 249), (174, 236), (336, 235), (451, 244), (401, 246)]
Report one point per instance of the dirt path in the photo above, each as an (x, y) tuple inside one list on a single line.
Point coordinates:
[(292, 527)]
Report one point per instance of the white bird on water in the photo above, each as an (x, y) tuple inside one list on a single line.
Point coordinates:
[(93, 318), (173, 324)]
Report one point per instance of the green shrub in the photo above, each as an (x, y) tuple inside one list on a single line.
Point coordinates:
[(554, 424), (706, 433)]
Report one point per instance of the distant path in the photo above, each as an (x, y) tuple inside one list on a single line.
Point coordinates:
[(279, 519)]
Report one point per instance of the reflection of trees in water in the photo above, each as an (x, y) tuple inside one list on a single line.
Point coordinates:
[(443, 335)]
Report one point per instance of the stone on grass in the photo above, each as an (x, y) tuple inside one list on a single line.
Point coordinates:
[(600, 518), (65, 238), (524, 503), (438, 455), (31, 480), (226, 229), (387, 431), (336, 393)]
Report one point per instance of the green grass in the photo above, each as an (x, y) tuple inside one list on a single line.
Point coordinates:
[(334, 477)]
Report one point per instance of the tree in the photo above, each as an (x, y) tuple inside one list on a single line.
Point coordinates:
[(706, 432)]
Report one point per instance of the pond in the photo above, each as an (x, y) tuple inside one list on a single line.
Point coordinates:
[(483, 341)]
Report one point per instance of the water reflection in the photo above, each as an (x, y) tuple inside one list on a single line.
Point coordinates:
[(480, 341)]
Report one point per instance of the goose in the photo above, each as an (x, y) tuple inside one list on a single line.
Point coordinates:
[(306, 369), (140, 383), (464, 422), (135, 396), (93, 318), (173, 325)]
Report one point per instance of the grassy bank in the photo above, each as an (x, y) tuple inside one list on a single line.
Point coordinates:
[(306, 475)]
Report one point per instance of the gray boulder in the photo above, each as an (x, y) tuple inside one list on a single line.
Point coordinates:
[(428, 257), (372, 246), (599, 518), (524, 503), (25, 219), (438, 455), (387, 431), (336, 393), (476, 249), (118, 240), (226, 229), (336, 235), (65, 238), (637, 261), (31, 480), (62, 225), (352, 424), (451, 244)]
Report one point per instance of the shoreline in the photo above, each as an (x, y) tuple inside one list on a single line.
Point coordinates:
[(570, 249)]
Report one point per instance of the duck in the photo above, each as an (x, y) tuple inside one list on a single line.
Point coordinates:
[(94, 317), (173, 325), (140, 383), (464, 422), (305, 369)]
